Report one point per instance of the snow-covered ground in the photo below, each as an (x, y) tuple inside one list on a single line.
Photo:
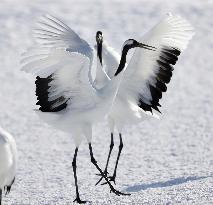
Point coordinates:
[(163, 162)]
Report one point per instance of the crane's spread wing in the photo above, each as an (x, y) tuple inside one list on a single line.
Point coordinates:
[(62, 61), (62, 81), (53, 33), (148, 72)]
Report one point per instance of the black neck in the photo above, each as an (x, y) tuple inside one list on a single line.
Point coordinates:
[(122, 61), (99, 51)]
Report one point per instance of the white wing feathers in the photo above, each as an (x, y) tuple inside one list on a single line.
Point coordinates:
[(51, 32), (61, 60), (72, 80), (147, 72), (63, 82), (173, 31)]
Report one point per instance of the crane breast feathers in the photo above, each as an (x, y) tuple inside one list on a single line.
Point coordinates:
[(111, 59), (148, 72)]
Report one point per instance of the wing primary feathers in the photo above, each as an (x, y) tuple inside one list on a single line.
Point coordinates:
[(61, 76), (50, 27), (155, 92), (156, 108), (42, 93), (164, 65), (163, 77), (57, 24), (161, 86), (43, 31), (168, 56), (172, 50), (144, 106)]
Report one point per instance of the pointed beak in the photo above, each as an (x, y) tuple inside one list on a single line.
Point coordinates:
[(142, 45)]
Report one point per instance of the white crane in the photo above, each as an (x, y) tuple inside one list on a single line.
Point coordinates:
[(65, 91), (8, 160), (145, 77)]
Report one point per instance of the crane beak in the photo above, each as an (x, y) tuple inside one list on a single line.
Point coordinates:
[(142, 45)]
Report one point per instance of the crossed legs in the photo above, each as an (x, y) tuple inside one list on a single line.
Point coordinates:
[(103, 175), (112, 178)]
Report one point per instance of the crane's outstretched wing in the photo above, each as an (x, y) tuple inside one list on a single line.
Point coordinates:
[(51, 33), (62, 61), (148, 72), (62, 81)]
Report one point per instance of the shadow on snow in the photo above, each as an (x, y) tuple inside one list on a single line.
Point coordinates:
[(171, 182)]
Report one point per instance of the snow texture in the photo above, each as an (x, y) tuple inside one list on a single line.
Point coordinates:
[(167, 161)]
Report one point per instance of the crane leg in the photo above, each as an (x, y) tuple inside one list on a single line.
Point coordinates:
[(78, 200), (112, 178), (106, 167), (102, 173)]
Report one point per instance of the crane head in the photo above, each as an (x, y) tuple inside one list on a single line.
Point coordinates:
[(99, 37), (132, 43)]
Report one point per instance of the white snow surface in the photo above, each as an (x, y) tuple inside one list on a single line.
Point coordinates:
[(167, 161)]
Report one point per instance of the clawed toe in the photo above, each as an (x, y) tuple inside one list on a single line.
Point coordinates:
[(118, 193), (105, 173), (112, 179), (79, 201), (99, 181)]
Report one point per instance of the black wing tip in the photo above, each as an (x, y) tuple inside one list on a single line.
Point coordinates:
[(144, 106), (167, 58), (148, 108), (52, 109), (157, 109), (172, 50), (42, 86)]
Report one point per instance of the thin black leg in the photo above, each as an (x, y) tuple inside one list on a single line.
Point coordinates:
[(112, 178), (78, 200), (110, 151), (102, 174), (0, 196)]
